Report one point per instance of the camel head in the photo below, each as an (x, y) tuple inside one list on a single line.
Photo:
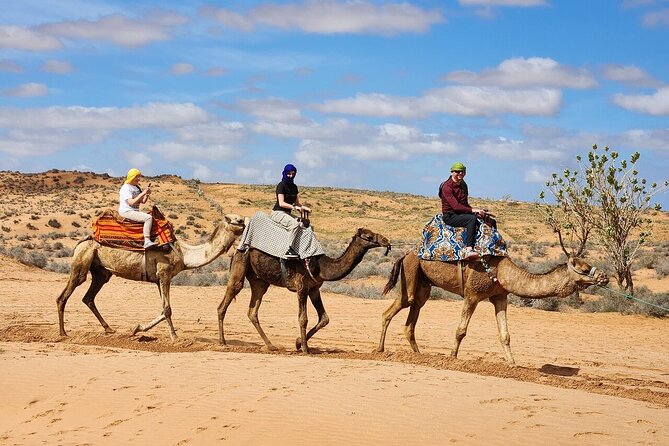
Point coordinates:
[(372, 239), (234, 223), (585, 275)]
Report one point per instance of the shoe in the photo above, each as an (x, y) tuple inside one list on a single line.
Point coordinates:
[(291, 254), (470, 254), (149, 244)]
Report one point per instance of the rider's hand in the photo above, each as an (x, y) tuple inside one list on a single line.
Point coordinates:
[(306, 209), (479, 212)]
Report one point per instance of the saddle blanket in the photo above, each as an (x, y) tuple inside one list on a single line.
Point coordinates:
[(271, 238), (110, 229), (447, 243)]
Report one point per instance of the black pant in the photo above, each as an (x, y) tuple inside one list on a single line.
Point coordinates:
[(468, 221)]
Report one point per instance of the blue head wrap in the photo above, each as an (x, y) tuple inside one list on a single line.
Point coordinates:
[(286, 169)]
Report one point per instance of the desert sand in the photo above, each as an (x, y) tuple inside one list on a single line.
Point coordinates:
[(581, 378)]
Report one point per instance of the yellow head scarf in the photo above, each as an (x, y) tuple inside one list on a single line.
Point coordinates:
[(132, 173)]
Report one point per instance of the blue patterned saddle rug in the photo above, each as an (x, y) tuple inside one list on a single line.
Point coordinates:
[(447, 243)]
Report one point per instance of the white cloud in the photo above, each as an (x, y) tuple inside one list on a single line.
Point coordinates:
[(39, 142), (118, 29), (630, 75), (657, 139), (334, 17), (537, 174), (655, 104), (508, 149), (137, 159), (273, 109), (461, 100), (657, 18), (178, 151), (206, 173), (530, 72), (31, 89), (9, 66), (182, 68), (23, 39), (57, 66), (256, 175), (162, 115), (212, 132)]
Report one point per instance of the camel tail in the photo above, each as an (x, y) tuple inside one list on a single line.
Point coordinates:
[(394, 275)]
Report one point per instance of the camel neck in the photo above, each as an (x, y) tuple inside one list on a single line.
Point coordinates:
[(535, 286), (195, 256), (336, 269)]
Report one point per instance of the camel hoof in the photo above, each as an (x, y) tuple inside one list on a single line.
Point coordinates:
[(271, 348), (109, 330), (298, 344), (136, 330), (378, 350)]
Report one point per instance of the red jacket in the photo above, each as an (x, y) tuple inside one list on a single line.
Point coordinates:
[(454, 198)]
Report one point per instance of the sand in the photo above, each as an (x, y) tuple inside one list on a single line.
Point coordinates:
[(584, 379)]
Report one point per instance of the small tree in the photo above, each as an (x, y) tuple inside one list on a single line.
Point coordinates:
[(606, 197)]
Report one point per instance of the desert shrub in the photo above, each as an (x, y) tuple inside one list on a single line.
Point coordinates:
[(662, 266), (173, 216), (643, 302), (31, 227), (32, 258), (358, 290), (6, 229), (54, 223), (34, 217), (645, 261), (76, 224), (198, 278), (58, 267), (56, 235)]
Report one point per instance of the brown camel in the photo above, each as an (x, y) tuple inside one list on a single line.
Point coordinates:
[(475, 285), (263, 270), (158, 267)]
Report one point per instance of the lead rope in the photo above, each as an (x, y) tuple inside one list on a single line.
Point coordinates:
[(630, 297)]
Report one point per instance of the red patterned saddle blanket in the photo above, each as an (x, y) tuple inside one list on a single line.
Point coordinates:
[(110, 229)]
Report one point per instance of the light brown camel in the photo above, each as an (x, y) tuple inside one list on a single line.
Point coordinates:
[(418, 276), (263, 270), (158, 267)]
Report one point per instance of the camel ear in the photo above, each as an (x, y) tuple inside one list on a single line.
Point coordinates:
[(227, 219), (360, 231)]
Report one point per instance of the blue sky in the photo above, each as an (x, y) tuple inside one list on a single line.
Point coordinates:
[(381, 95)]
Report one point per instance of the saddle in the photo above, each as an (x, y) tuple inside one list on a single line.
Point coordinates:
[(447, 243), (111, 229)]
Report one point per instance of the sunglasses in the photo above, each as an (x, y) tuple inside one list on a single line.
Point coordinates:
[(458, 171)]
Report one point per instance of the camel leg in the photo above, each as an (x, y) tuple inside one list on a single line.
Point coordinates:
[(302, 318), (99, 276), (422, 295), (81, 264), (467, 311), (232, 290), (403, 301), (323, 319), (165, 315), (258, 290), (500, 303)]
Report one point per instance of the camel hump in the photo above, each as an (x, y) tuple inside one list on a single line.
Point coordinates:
[(111, 229)]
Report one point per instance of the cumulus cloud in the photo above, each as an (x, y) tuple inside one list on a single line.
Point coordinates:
[(457, 100), (530, 72), (24, 39), (118, 29), (57, 67), (205, 173), (137, 159), (537, 174), (273, 109), (257, 174), (657, 18), (333, 17), (30, 89), (9, 66), (182, 68), (654, 104), (509, 149), (162, 115), (212, 132), (655, 139), (175, 151), (40, 142), (630, 75)]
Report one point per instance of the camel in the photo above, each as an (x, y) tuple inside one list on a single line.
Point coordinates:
[(475, 285), (263, 270), (158, 267)]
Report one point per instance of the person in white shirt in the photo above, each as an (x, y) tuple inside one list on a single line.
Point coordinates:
[(130, 197)]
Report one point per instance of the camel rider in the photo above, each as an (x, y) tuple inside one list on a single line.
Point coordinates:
[(287, 199), (455, 208), (130, 197)]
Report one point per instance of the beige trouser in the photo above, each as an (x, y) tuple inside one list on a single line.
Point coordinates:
[(287, 221), (140, 217)]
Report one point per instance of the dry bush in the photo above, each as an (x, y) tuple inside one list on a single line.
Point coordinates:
[(54, 223)]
